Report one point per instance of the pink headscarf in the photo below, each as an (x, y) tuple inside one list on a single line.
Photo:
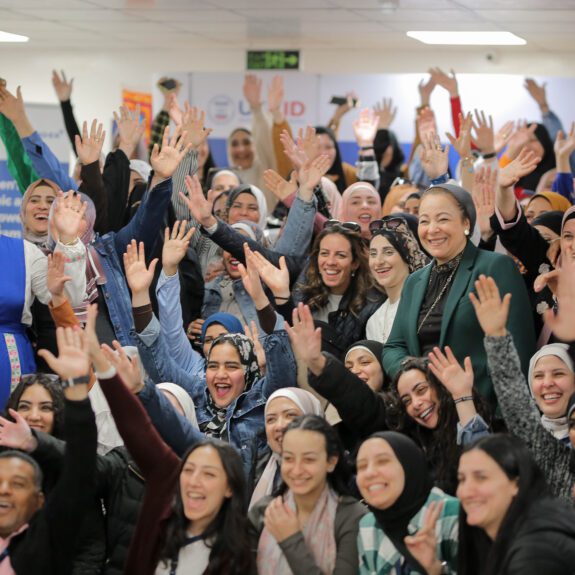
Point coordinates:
[(343, 214)]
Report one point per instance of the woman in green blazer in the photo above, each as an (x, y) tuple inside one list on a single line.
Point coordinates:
[(435, 309)]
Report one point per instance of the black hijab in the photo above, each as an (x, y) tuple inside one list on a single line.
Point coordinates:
[(418, 483), (551, 220), (530, 181)]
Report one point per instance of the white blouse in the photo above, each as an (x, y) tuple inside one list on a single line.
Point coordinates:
[(193, 559), (37, 269), (380, 323)]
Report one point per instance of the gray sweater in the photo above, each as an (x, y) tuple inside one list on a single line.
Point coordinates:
[(300, 558), (523, 418)]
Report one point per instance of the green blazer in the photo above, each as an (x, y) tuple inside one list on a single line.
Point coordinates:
[(460, 329)]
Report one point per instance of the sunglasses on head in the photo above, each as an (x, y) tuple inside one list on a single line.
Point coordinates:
[(342, 226), (387, 223), (28, 378), (401, 182)]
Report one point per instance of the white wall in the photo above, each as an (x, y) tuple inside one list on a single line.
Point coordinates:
[(101, 76)]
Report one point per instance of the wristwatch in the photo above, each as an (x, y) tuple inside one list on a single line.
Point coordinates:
[(72, 381)]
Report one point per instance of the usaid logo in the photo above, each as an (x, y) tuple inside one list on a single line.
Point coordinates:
[(221, 109)]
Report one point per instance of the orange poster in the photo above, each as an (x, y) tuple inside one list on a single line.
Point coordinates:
[(131, 99)]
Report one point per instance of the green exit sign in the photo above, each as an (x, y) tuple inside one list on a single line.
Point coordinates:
[(273, 59)]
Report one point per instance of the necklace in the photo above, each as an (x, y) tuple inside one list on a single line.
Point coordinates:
[(456, 261)]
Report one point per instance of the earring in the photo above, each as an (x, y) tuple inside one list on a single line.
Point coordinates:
[(353, 274), (466, 232)]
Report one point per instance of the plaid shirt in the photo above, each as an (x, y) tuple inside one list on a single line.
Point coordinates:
[(378, 555), (157, 130)]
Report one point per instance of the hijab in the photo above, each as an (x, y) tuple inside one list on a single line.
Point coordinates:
[(257, 194), (551, 220), (418, 484), (465, 201), (217, 426), (331, 195), (36, 239), (335, 172), (184, 399), (348, 194), (227, 320), (557, 201), (530, 181), (375, 348), (557, 426), (406, 246)]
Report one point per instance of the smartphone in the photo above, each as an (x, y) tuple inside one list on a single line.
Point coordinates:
[(168, 84), (341, 100)]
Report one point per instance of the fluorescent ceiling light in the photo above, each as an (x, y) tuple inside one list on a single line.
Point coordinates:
[(468, 38), (8, 37)]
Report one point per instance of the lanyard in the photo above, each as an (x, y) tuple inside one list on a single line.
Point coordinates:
[(174, 563)]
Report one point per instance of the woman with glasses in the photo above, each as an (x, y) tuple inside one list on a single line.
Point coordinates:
[(393, 254), (435, 310)]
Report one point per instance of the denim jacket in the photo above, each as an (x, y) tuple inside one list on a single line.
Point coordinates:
[(245, 416), (143, 227)]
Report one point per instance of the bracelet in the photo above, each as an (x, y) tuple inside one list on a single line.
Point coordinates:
[(365, 148), (462, 399), (489, 156), (282, 298), (72, 381)]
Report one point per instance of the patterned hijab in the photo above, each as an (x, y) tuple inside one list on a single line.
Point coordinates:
[(217, 427)]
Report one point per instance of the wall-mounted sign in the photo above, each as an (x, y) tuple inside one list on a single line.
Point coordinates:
[(273, 60)]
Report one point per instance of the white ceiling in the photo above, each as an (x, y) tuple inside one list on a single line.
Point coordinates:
[(176, 24)]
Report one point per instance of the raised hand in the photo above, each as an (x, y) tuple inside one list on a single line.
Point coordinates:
[(308, 142), (348, 105), (56, 278), (311, 173), (276, 94), (193, 125), (73, 359), (483, 193), (252, 332), (484, 136), (165, 161), (492, 312), (295, 153), (67, 217), (423, 545), (251, 280), (17, 434), (564, 147), (176, 244), (12, 106), (89, 147), (199, 206), (277, 279), (425, 90), (128, 369), (138, 276), (130, 128), (279, 186), (503, 135), (434, 158), (253, 90), (562, 323), (458, 381), (175, 112), (365, 128), (446, 81), (426, 124), (305, 339), (462, 143), (521, 166), (538, 93), (385, 113), (520, 137), (62, 87)]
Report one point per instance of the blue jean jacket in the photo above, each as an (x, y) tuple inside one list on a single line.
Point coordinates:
[(143, 227), (245, 416)]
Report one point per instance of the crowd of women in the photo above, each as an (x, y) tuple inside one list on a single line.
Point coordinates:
[(290, 364)]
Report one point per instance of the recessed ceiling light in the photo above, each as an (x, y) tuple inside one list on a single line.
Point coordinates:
[(8, 37), (468, 38)]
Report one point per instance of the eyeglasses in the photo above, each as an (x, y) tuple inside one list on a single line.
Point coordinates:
[(342, 226), (42, 378), (387, 223)]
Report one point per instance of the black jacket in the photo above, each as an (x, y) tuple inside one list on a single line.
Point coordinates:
[(544, 543), (49, 544), (120, 486)]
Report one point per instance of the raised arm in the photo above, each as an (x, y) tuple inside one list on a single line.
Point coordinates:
[(63, 90)]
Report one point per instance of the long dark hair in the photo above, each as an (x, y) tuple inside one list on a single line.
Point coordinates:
[(440, 444), (314, 291), (228, 534), (337, 166), (52, 385), (339, 479), (477, 554)]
